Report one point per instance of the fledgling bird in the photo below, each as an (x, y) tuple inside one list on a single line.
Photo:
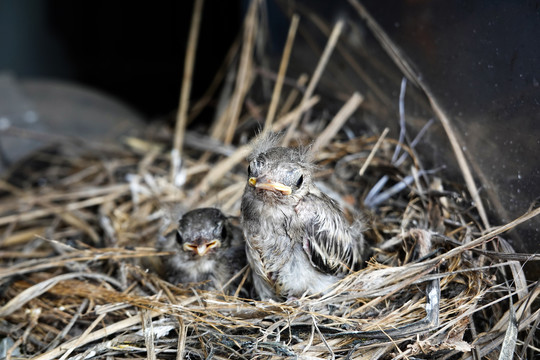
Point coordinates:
[(209, 249), (297, 238)]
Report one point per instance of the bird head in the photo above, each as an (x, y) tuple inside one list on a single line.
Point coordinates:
[(279, 173), (203, 232)]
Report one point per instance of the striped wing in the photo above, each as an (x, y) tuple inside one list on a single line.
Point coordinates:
[(329, 241)]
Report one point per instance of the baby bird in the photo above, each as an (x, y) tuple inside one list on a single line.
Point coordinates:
[(297, 238), (209, 250)]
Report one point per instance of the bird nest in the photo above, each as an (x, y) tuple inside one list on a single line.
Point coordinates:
[(80, 271)]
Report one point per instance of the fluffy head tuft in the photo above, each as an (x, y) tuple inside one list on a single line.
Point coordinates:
[(264, 142)]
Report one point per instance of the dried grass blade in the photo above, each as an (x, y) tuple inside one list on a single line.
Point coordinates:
[(520, 282), (522, 312), (78, 256), (244, 69), (86, 192), (34, 291), (291, 98), (82, 337), (499, 230), (182, 114), (510, 337), (39, 213), (330, 45), (22, 237), (388, 45), (199, 106), (148, 331), (276, 95), (460, 156), (373, 151), (532, 330), (96, 335), (338, 121), (182, 334), (79, 223), (68, 327), (285, 120), (225, 165)]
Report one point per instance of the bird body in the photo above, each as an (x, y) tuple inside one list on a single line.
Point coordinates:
[(297, 238), (208, 248)]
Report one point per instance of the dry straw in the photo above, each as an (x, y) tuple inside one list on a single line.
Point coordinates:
[(80, 276)]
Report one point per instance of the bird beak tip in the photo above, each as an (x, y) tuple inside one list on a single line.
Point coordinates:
[(201, 250)]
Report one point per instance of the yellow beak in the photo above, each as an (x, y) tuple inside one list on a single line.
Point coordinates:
[(284, 189), (203, 248)]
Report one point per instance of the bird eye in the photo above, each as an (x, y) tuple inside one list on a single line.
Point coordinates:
[(300, 181), (223, 232), (179, 238)]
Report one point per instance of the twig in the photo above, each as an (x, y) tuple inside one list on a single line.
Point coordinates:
[(345, 51), (281, 74), (68, 327), (494, 232), (182, 114), (460, 156), (244, 69), (36, 214), (332, 41), (333, 356), (38, 289), (96, 335), (227, 164), (388, 45), (337, 122), (373, 151), (509, 343), (402, 124), (81, 339), (148, 332), (530, 336), (415, 141), (291, 98), (181, 339), (199, 106)]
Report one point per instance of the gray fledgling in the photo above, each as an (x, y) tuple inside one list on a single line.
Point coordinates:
[(209, 249), (298, 240)]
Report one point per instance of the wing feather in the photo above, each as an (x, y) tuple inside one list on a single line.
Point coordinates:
[(330, 242)]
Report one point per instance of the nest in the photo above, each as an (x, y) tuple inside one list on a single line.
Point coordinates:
[(79, 224)]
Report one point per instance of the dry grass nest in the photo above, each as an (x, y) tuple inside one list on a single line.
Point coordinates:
[(78, 224)]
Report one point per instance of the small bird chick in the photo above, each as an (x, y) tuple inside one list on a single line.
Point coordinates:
[(209, 250), (297, 238)]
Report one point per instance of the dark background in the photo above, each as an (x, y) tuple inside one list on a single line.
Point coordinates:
[(133, 51)]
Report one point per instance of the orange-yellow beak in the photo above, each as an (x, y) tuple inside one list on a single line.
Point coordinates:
[(284, 189), (203, 248)]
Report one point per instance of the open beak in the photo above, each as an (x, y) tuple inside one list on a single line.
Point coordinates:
[(203, 248), (272, 186)]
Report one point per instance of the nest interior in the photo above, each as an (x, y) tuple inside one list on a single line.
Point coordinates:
[(80, 273)]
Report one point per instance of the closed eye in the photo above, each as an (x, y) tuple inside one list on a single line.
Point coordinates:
[(224, 232), (179, 238)]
